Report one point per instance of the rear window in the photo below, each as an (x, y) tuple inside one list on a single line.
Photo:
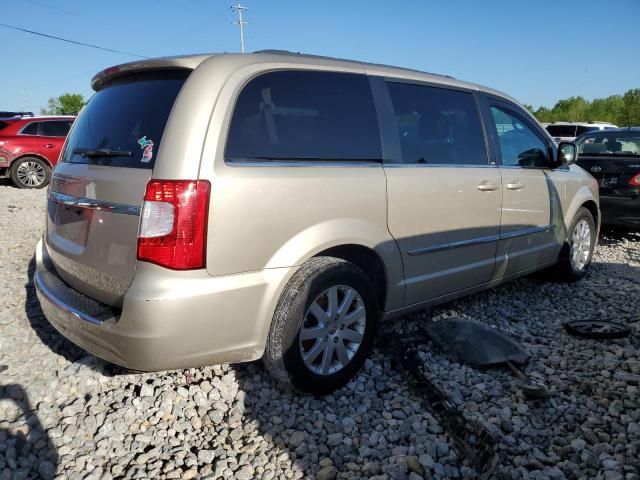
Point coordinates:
[(126, 117), (584, 129), (562, 130), (607, 143), (295, 115)]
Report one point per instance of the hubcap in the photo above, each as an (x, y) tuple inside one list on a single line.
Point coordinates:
[(31, 174), (581, 245), (332, 330)]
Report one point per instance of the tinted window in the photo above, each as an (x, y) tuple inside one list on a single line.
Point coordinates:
[(31, 129), (437, 126), (126, 115), (584, 129), (3, 125), (519, 145), (562, 130), (305, 115), (55, 129)]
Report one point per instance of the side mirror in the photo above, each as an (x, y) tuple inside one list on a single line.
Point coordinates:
[(567, 153)]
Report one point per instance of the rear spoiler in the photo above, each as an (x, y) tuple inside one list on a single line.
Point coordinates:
[(188, 62)]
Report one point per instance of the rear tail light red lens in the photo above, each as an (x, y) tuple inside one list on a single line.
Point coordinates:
[(173, 224), (635, 181)]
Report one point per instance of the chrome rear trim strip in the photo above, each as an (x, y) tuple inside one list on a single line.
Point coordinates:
[(82, 202)]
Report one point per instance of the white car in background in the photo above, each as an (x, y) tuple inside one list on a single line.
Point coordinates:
[(568, 131)]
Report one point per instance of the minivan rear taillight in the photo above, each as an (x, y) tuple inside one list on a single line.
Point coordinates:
[(173, 224), (635, 181)]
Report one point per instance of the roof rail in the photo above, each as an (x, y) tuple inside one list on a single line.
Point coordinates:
[(323, 57), (7, 114)]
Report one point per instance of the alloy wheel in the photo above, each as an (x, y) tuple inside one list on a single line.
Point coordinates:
[(580, 245), (31, 174), (332, 330)]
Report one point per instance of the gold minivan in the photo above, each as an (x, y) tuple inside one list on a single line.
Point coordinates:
[(232, 207)]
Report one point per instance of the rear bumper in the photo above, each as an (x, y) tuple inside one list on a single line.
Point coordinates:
[(169, 319), (620, 211)]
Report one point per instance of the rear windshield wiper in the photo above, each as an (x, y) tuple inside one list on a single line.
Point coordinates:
[(102, 152)]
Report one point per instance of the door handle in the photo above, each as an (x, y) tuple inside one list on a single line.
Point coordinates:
[(515, 186), (487, 187), (49, 145)]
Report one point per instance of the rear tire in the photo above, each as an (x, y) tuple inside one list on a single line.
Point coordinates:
[(323, 327), (30, 172), (577, 252)]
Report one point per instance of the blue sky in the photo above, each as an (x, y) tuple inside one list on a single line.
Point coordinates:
[(537, 51)]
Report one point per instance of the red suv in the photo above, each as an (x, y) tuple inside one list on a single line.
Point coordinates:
[(30, 147)]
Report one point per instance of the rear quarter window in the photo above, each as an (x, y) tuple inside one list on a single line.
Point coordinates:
[(297, 115), (128, 115), (30, 129)]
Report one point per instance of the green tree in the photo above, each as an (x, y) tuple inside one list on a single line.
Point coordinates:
[(574, 109), (65, 104), (631, 100), (606, 109), (543, 114)]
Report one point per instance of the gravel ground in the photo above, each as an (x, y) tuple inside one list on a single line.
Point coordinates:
[(66, 414)]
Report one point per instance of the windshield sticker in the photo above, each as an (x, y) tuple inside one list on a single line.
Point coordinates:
[(147, 152)]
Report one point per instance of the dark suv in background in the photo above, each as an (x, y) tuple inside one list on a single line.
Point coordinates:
[(30, 147), (613, 158)]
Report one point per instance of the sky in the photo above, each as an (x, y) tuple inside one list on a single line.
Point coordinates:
[(538, 51)]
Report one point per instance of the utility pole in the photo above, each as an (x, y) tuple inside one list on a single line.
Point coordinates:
[(239, 8)]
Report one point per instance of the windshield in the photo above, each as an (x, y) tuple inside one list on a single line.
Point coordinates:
[(127, 116), (610, 143)]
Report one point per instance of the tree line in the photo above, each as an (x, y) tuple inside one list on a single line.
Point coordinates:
[(621, 110)]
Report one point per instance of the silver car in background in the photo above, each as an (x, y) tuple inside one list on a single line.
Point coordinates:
[(569, 131)]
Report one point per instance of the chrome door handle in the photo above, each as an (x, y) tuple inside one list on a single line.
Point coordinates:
[(515, 186), (487, 187)]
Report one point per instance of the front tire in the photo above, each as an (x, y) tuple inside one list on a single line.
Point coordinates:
[(323, 327), (577, 253), (30, 172)]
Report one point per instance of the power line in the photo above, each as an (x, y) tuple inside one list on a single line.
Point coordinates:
[(239, 8), (70, 41)]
